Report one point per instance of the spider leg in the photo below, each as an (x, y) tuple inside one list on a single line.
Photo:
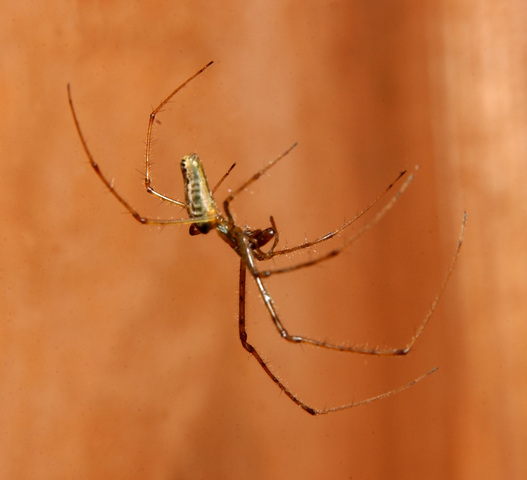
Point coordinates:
[(351, 241), (148, 177), (141, 219), (225, 175), (330, 235), (247, 256), (256, 176), (271, 252), (252, 351)]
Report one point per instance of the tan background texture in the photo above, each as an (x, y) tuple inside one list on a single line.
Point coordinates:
[(119, 350)]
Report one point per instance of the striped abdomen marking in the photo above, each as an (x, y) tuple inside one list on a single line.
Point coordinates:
[(198, 199)]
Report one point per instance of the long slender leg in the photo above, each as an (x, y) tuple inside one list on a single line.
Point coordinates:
[(225, 175), (311, 243), (347, 243), (253, 351), (261, 255), (330, 235), (247, 257), (312, 411), (148, 180), (256, 176), (109, 186)]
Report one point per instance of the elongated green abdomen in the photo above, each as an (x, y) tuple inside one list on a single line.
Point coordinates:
[(198, 198)]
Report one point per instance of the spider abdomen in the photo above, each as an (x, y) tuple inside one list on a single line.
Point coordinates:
[(198, 197)]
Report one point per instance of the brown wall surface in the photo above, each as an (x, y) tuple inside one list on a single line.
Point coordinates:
[(119, 351)]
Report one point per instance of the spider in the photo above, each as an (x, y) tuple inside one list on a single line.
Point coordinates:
[(204, 216)]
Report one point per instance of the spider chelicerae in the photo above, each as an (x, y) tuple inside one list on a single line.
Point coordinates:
[(205, 216)]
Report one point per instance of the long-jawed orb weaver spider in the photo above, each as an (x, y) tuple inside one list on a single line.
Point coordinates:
[(204, 216)]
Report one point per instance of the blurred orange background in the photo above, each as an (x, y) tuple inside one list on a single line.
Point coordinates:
[(119, 347)]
